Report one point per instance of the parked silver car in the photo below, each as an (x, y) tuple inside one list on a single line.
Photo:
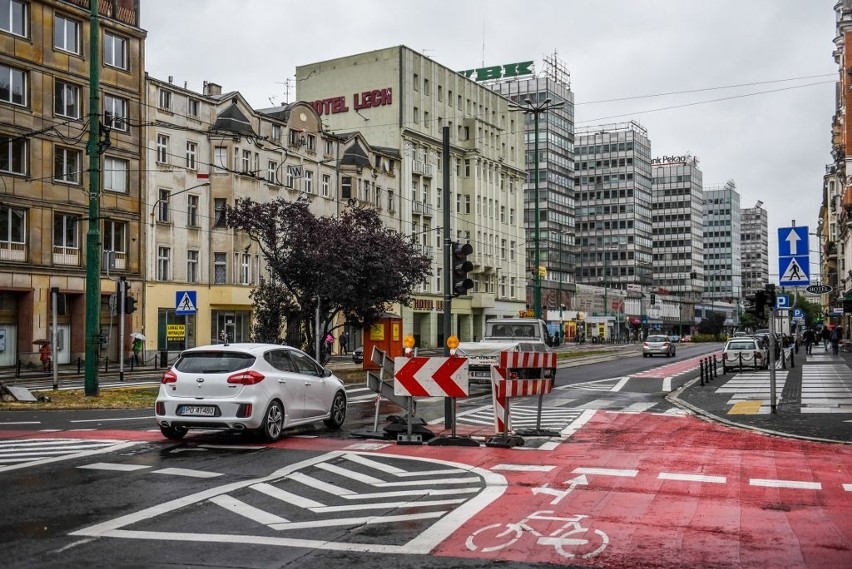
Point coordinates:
[(264, 388), (658, 345)]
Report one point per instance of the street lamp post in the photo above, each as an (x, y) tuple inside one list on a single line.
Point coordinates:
[(536, 109)]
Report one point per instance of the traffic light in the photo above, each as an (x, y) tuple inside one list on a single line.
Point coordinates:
[(129, 305), (653, 299), (461, 267), (756, 303), (770, 297)]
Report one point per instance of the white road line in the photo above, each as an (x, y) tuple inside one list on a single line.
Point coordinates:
[(785, 484), (606, 471), (384, 505), (414, 492), (284, 496), (621, 383), (114, 466), (188, 472), (577, 423), (233, 447), (357, 521), (352, 475), (247, 511), (667, 384), (847, 487), (524, 467), (636, 407), (21, 423), (145, 418), (396, 483), (691, 477), (319, 484)]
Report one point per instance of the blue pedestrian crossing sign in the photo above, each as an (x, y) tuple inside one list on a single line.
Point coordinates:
[(185, 302), (793, 258)]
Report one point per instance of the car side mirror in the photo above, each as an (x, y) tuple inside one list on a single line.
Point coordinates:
[(326, 372)]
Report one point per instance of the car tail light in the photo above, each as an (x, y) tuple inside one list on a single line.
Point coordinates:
[(249, 377), (644, 344), (169, 377), (758, 356), (244, 410), (160, 408)]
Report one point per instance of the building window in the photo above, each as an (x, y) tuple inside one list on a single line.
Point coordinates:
[(162, 149), (192, 266), (13, 227), (220, 268), (326, 185), (312, 143), (191, 153), (329, 147), (245, 163), (14, 17), (114, 236), (245, 269), (220, 159), (220, 206), (13, 155), (165, 100), (13, 85), (193, 108), (192, 211), (346, 187), (164, 263), (66, 165), (66, 100), (163, 203), (115, 112), (276, 133), (309, 182), (66, 34), (115, 51), (65, 235), (115, 174), (271, 171)]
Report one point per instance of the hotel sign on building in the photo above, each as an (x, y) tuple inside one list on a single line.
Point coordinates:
[(363, 100)]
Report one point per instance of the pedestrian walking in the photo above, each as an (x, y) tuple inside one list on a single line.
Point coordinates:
[(137, 350), (344, 343), (836, 334), (44, 355), (808, 337), (329, 342), (825, 335)]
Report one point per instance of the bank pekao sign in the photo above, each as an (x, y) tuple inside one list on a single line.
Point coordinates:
[(499, 71)]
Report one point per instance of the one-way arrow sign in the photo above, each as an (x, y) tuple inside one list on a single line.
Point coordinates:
[(431, 377)]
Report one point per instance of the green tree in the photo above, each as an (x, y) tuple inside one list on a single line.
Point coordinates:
[(351, 265), (713, 324)]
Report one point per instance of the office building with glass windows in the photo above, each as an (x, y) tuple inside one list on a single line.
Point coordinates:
[(755, 248), (722, 246)]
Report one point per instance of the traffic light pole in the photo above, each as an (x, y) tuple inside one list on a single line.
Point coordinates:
[(772, 398), (449, 402), (122, 308), (93, 235)]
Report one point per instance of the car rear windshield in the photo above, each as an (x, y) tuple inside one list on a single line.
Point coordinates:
[(741, 346), (214, 362), (657, 339)]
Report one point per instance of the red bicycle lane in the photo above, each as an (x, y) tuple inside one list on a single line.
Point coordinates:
[(674, 368), (638, 490)]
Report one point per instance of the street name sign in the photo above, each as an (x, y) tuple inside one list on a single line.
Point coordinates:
[(793, 257)]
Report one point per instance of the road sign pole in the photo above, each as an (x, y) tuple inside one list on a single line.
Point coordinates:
[(772, 359)]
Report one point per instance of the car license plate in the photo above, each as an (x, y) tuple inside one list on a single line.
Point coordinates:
[(198, 410)]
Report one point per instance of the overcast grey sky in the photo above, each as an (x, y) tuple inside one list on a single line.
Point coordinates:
[(761, 72)]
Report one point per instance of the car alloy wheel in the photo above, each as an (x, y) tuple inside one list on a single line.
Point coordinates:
[(273, 422), (338, 412)]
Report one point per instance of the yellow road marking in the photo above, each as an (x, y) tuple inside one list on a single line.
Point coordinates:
[(746, 408)]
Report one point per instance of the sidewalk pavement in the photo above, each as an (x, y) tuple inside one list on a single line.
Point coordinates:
[(824, 415)]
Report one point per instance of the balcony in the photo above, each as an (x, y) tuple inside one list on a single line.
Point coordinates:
[(422, 168), (10, 251), (421, 208)]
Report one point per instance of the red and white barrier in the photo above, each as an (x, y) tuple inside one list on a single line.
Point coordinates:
[(505, 386)]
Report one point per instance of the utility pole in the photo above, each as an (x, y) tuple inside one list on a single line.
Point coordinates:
[(93, 236), (449, 402)]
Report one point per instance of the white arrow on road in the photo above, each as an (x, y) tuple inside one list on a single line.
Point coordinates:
[(793, 239), (559, 494)]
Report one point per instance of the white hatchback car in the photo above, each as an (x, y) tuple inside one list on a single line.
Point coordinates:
[(744, 352), (264, 388)]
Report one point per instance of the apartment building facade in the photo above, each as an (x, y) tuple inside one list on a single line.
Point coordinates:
[(755, 248), (45, 111), (205, 151), (613, 195), (401, 99), (722, 245)]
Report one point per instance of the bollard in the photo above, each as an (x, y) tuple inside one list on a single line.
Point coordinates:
[(740, 356), (79, 365), (715, 373), (701, 370), (18, 369), (783, 359), (792, 361)]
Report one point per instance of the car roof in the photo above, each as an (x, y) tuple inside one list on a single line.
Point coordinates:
[(250, 347)]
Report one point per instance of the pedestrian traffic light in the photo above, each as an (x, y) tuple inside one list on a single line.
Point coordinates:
[(461, 267)]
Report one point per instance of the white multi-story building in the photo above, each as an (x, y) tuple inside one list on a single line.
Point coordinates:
[(205, 151), (404, 100), (722, 247), (755, 248)]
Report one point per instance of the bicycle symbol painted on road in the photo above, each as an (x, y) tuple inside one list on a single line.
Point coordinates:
[(570, 539)]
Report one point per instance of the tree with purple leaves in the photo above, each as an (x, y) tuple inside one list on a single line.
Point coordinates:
[(354, 265)]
